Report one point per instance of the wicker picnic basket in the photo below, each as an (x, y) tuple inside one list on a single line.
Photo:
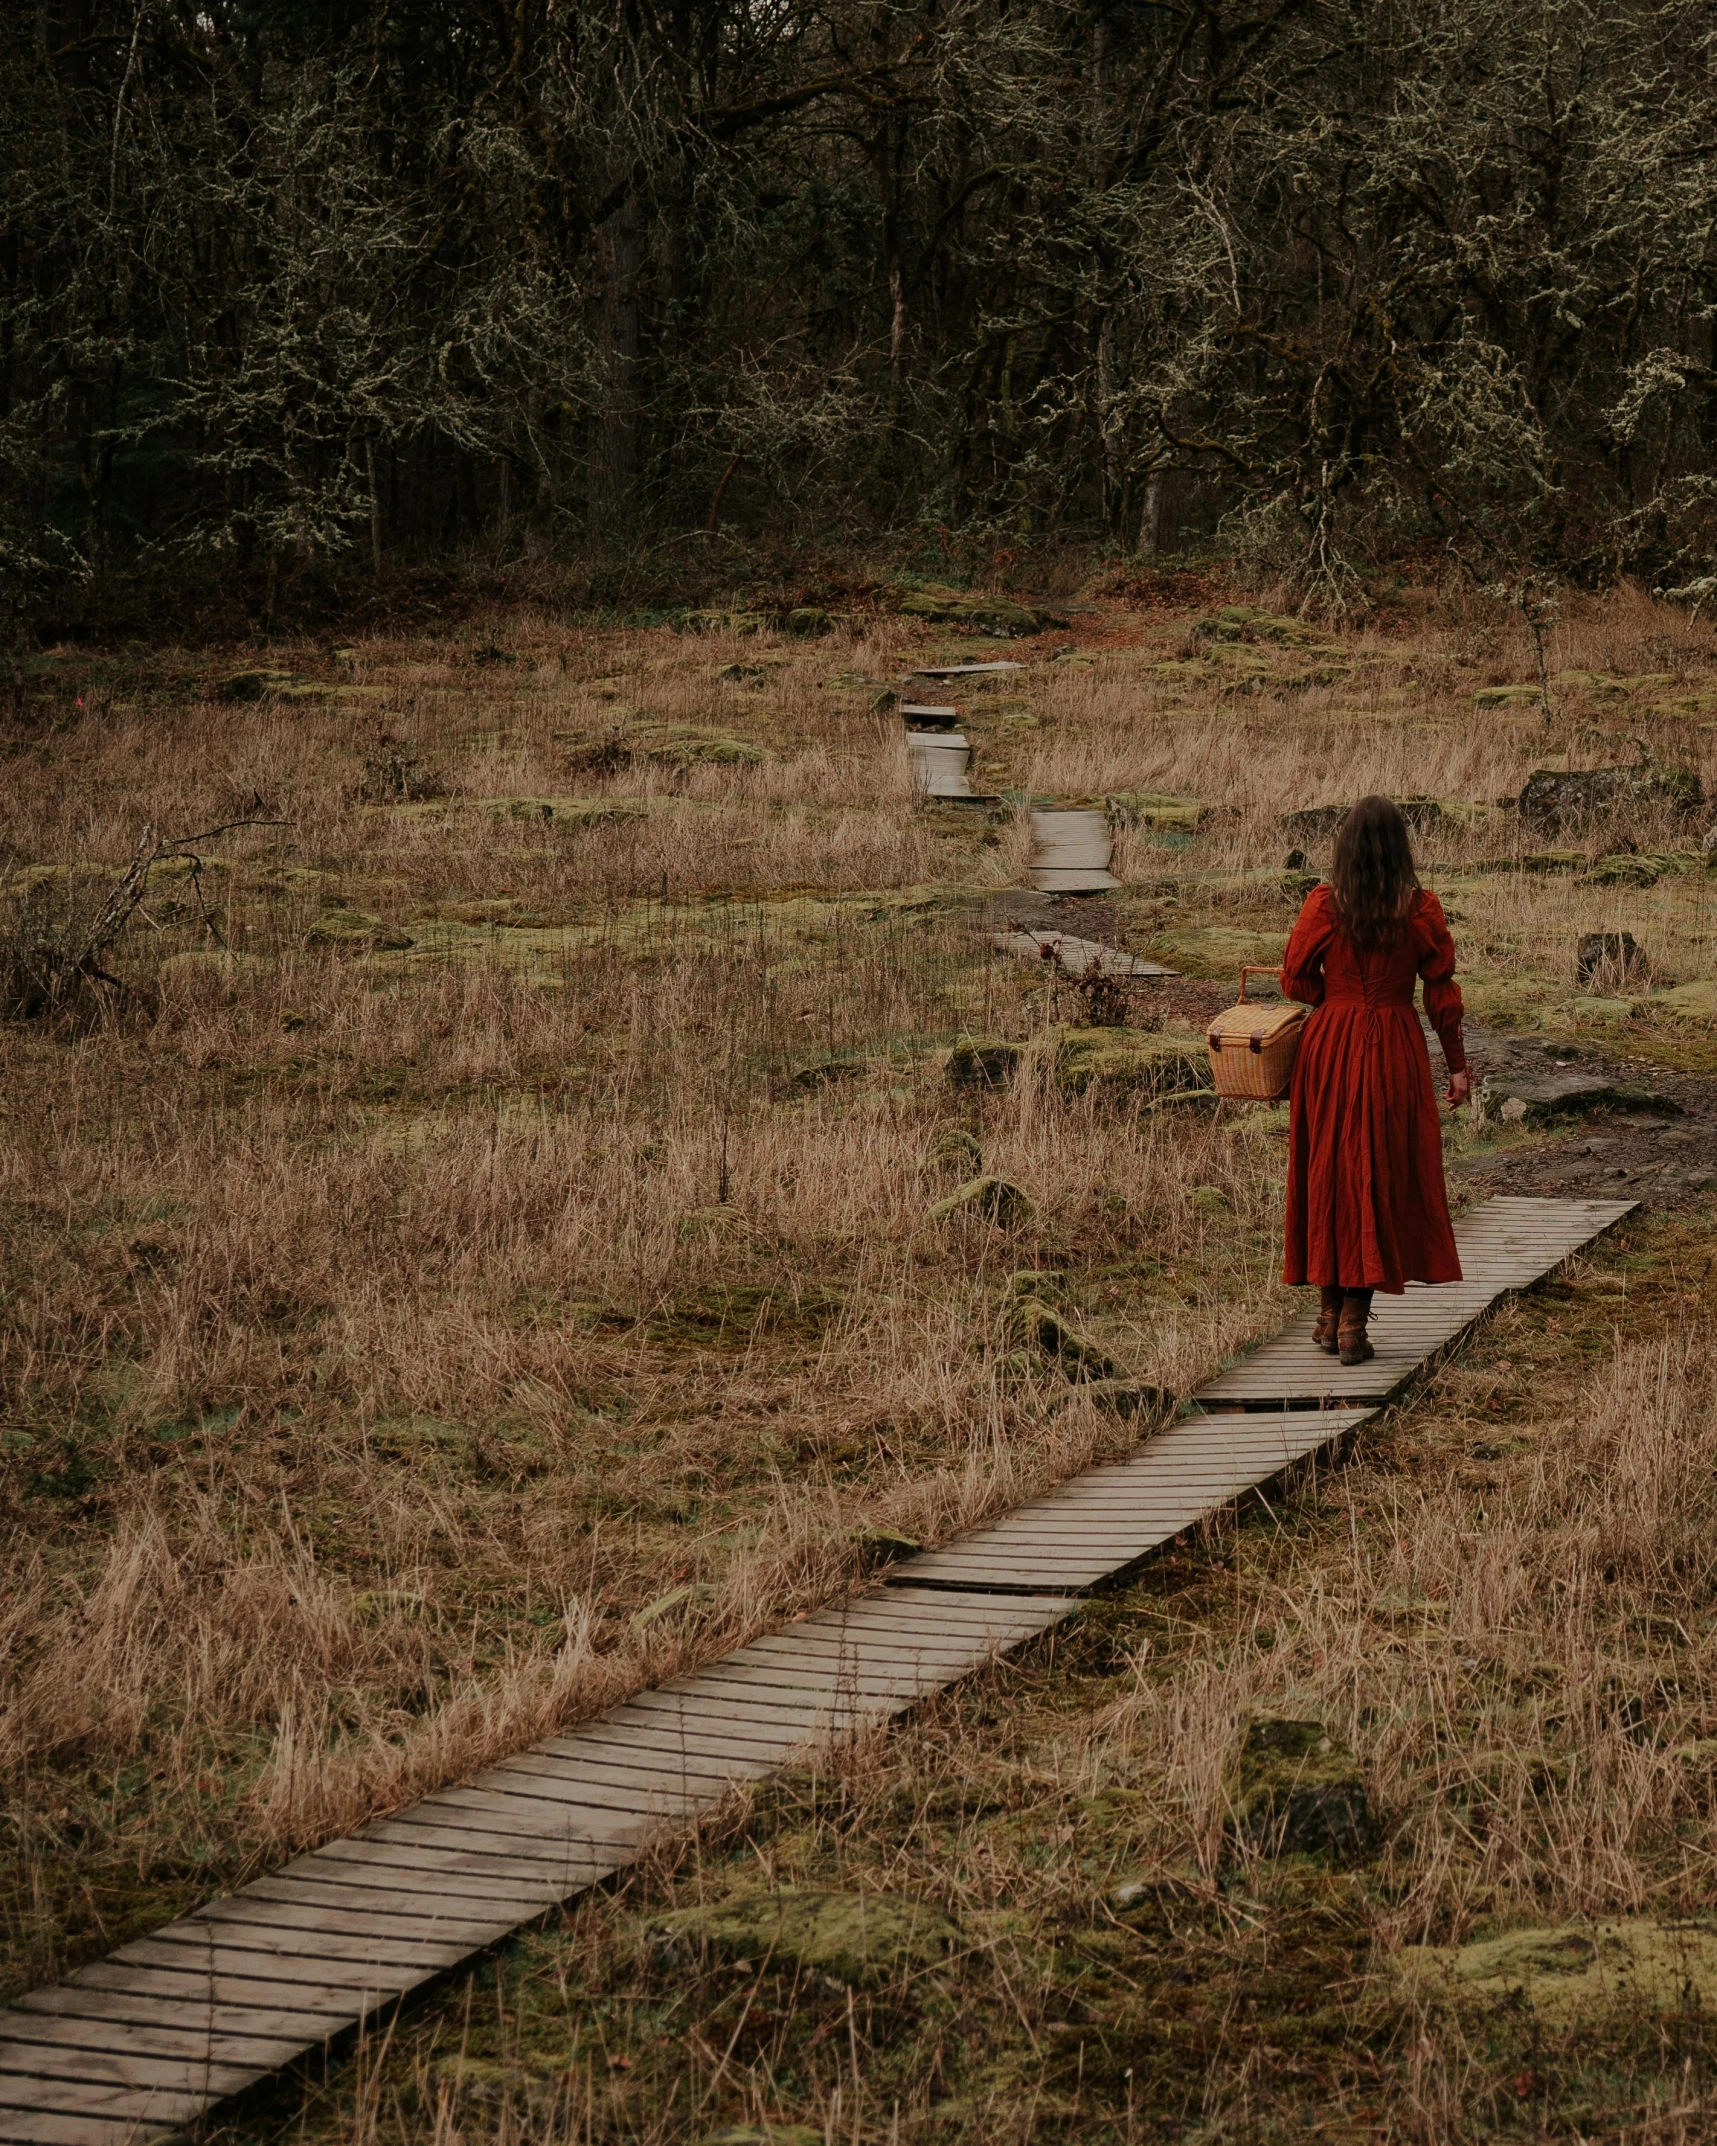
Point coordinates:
[(1253, 1047)]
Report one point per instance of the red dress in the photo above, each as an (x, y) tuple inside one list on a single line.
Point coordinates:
[(1366, 1204)]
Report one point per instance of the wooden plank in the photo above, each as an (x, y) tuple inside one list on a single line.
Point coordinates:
[(670, 1710), (657, 1795), (576, 1782), (338, 2002), (226, 1925), (43, 2127), (294, 1906), (37, 2028), (576, 1861), (620, 1755), (685, 1701), (671, 1740), (1071, 851), (399, 1870), (960, 670), (80, 2097), (940, 760), (132, 2072), (1002, 1624), (530, 1880), (1092, 1528), (206, 1969), (917, 1658), (824, 1675), (276, 2020)]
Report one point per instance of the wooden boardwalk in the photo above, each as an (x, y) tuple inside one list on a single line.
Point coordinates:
[(136, 2045), (1505, 1244), (1071, 851)]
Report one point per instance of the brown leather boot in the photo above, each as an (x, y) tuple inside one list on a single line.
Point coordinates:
[(1351, 1343), (1329, 1317)]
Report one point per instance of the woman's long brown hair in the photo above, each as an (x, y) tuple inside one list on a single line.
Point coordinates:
[(1373, 878)]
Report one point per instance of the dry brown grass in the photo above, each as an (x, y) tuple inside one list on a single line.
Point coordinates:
[(382, 1333), (1521, 1650)]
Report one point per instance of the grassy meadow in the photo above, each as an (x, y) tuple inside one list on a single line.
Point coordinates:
[(472, 1256)]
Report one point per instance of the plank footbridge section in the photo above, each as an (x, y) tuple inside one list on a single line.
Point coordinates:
[(137, 2045)]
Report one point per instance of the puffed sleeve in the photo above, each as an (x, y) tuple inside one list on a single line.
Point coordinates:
[(1303, 963), (1443, 1007)]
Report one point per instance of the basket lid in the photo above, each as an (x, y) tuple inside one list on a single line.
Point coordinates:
[(1255, 1026)]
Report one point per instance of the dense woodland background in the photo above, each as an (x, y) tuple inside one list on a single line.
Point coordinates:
[(290, 286)]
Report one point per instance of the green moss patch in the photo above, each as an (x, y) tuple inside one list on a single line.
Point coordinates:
[(1567, 1970), (862, 1939)]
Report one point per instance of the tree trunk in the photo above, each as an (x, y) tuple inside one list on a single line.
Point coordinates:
[(614, 431)]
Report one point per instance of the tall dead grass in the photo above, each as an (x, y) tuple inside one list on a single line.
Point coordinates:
[(383, 1334)]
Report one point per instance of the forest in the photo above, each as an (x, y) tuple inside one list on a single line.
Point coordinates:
[(295, 288)]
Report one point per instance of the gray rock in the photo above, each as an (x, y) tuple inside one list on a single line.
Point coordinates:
[(1316, 822), (1564, 1095), (1295, 1790), (1569, 797), (1618, 952)]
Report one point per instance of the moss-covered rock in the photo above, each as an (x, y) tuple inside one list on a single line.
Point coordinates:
[(1128, 1062), (355, 931), (1571, 797), (1244, 622), (1152, 808), (956, 1149), (1047, 1284), (1314, 823), (1037, 1325), (995, 1198), (566, 811), (1564, 1970), (998, 615), (1506, 696), (1626, 868), (1689, 1002), (767, 2135), (862, 1939), (1294, 1789), (982, 1062)]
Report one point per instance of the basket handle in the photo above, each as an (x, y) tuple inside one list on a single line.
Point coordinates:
[(1256, 968)]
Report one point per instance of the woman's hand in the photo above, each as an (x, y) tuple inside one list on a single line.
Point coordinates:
[(1460, 1088)]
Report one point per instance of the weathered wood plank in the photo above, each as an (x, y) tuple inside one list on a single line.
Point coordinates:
[(44, 2127), (152, 2036), (130, 2071), (291, 1907)]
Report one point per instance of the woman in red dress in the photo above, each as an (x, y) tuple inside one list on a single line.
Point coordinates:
[(1367, 1207)]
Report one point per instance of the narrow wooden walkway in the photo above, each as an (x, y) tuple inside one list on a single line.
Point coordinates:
[(1071, 851), (136, 2045)]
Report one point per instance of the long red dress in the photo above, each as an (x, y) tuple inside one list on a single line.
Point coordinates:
[(1366, 1203)]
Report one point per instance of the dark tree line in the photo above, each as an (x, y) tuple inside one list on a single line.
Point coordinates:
[(286, 280)]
